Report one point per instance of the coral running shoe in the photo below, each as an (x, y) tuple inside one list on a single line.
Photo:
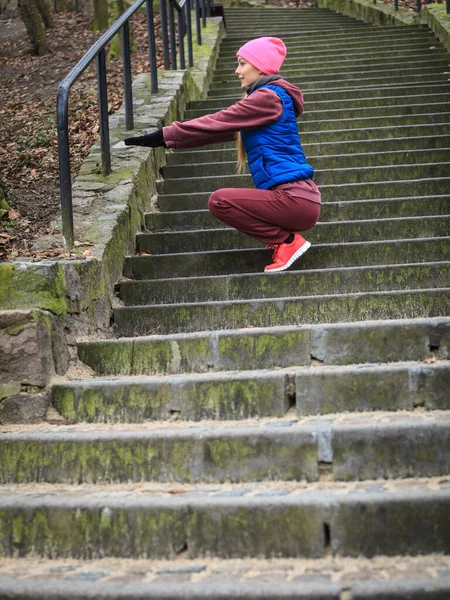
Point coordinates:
[(286, 254)]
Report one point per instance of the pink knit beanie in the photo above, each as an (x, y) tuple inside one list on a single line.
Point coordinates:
[(265, 53)]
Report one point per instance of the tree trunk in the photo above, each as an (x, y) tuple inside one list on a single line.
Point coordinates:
[(117, 7), (44, 9), (101, 22), (31, 16)]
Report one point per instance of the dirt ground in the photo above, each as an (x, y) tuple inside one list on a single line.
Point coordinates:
[(28, 146)]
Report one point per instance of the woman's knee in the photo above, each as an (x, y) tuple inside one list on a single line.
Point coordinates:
[(217, 203)]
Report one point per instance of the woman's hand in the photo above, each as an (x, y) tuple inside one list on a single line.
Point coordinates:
[(152, 140)]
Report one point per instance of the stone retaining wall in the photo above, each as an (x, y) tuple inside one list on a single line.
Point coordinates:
[(53, 303)]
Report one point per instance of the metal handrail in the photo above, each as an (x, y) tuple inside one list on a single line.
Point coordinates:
[(97, 52)]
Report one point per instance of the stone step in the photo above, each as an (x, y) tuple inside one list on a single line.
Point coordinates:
[(357, 61), (376, 148), (251, 451), (318, 137), (147, 521), (325, 176), (292, 27), (355, 39), (319, 256), (331, 211), (343, 113), (340, 108), (291, 30), (330, 82), (401, 577), (362, 92), (203, 240), (271, 347), (329, 308), (340, 73), (305, 283), (336, 161), (330, 193)]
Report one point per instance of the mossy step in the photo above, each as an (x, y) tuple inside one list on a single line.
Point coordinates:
[(330, 193), (330, 308), (318, 137), (290, 29), (271, 347), (375, 147), (336, 161), (354, 41), (291, 26), (249, 451), (343, 113), (342, 73), (305, 283), (319, 256), (172, 242), (277, 579), (361, 91), (331, 82), (354, 519), (424, 100), (221, 396), (331, 211), (338, 176), (350, 61)]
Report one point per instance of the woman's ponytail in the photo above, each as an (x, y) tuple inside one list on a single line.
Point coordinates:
[(241, 155)]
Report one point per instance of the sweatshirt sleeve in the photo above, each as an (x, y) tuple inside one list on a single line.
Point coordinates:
[(260, 108)]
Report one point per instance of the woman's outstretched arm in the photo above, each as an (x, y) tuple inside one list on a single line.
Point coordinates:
[(260, 108)]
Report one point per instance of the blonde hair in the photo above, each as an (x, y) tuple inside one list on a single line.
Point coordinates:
[(241, 153)]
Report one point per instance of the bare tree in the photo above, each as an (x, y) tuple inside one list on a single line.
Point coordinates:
[(37, 18)]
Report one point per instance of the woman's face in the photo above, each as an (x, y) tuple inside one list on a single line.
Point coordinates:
[(247, 73)]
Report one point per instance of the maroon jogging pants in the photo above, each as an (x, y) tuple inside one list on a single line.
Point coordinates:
[(268, 216)]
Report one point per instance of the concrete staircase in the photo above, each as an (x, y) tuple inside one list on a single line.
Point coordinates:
[(254, 436)]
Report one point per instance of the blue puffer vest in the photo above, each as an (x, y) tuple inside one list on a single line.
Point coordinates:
[(274, 152)]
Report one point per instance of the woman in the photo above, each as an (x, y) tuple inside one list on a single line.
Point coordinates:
[(264, 123)]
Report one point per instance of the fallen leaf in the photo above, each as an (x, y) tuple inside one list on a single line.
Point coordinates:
[(77, 244), (13, 214), (430, 361)]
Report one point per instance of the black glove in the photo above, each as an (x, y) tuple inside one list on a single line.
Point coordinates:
[(153, 140)]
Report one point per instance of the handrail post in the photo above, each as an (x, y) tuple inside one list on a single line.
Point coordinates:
[(198, 25), (152, 47), (181, 38), (203, 13), (189, 33), (164, 36), (65, 184), (127, 89), (173, 41), (103, 113)]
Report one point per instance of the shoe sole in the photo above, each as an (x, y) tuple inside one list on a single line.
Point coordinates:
[(293, 258)]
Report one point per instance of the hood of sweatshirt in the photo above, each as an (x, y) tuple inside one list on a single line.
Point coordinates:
[(294, 92)]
